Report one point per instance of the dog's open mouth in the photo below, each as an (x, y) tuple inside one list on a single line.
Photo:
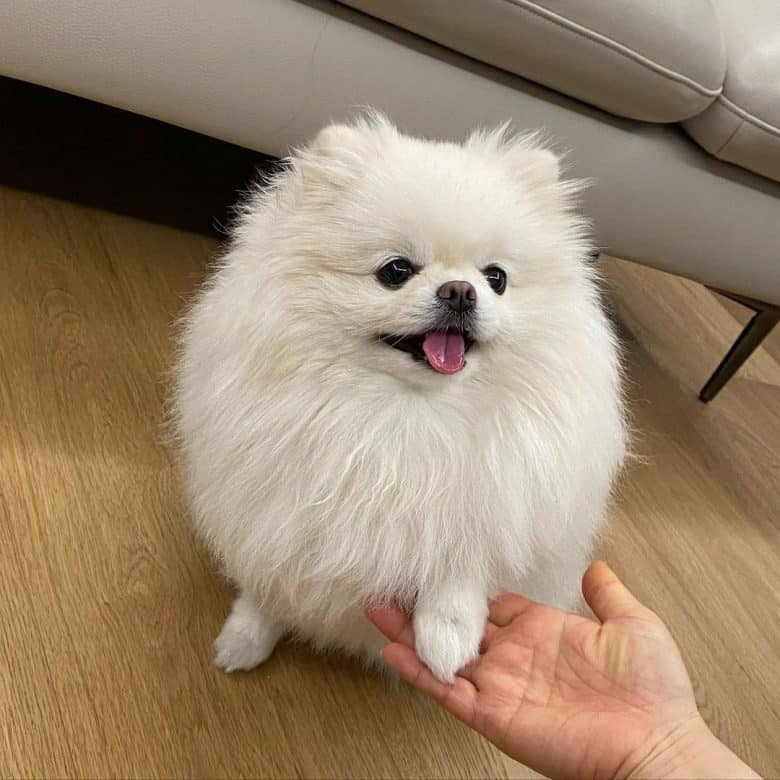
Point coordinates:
[(443, 350)]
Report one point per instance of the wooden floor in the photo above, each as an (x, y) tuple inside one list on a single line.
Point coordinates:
[(108, 608)]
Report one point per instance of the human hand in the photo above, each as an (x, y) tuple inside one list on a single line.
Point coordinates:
[(572, 697)]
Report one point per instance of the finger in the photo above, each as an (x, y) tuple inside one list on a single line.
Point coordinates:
[(393, 623), (606, 595), (459, 698), (487, 636), (506, 607), (471, 671)]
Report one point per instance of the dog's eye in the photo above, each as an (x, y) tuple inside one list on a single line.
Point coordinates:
[(496, 278), (396, 272)]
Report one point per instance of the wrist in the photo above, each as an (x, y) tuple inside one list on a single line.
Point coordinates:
[(691, 751)]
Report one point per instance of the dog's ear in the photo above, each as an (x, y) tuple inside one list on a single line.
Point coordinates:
[(544, 166), (339, 152), (333, 158), (335, 140), (526, 156), (540, 167)]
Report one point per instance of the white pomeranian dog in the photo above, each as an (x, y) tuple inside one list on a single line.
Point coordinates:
[(399, 386)]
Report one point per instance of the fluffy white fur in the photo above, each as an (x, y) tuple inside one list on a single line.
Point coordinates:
[(326, 469)]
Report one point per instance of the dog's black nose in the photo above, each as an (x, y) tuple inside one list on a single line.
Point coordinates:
[(459, 296)]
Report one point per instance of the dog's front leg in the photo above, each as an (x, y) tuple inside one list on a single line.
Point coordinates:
[(448, 626)]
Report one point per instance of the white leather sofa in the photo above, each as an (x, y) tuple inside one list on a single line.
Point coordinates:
[(672, 107)]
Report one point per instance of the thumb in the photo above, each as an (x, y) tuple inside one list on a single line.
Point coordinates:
[(606, 595)]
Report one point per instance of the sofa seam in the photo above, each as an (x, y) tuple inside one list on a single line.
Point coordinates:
[(729, 138), (620, 48), (746, 116)]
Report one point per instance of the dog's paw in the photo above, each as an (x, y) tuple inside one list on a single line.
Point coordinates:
[(446, 643), (246, 639)]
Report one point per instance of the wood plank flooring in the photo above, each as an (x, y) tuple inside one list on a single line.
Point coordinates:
[(108, 608)]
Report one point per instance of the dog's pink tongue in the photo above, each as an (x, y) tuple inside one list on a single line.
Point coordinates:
[(445, 350)]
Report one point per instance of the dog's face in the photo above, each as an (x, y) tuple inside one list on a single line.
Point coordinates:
[(431, 262)]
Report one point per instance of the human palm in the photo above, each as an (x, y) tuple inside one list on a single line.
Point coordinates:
[(569, 696)]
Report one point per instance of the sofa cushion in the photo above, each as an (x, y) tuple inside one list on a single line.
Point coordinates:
[(743, 125), (658, 60)]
